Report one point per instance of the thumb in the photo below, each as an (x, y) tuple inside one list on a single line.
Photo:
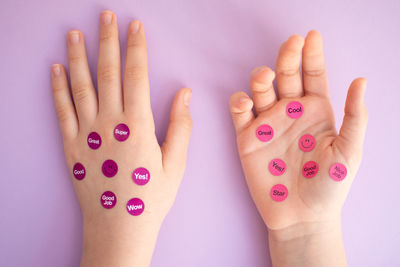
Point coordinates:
[(176, 142), (352, 132)]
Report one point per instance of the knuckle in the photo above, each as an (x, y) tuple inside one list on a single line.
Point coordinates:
[(62, 113), (135, 72), (108, 74), (288, 72), (81, 92), (106, 36), (74, 58), (314, 72)]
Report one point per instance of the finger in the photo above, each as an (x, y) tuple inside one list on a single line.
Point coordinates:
[(180, 126), (240, 106), (109, 66), (85, 98), (288, 77), (262, 89), (351, 136), (63, 102), (136, 83), (314, 72)]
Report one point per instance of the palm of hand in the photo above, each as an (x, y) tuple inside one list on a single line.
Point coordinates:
[(319, 198)]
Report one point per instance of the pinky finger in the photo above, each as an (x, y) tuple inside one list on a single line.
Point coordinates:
[(63, 102)]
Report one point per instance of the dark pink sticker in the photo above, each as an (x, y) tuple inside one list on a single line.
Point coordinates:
[(277, 167), (279, 192), (141, 176), (338, 172), (294, 109), (307, 142), (94, 140), (108, 200), (109, 168), (121, 132), (135, 206), (310, 169), (264, 133), (79, 171)]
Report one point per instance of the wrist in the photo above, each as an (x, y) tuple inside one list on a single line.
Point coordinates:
[(308, 244)]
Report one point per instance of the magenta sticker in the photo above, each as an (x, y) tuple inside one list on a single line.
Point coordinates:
[(264, 133), (279, 192), (108, 200), (277, 167), (109, 168), (121, 132), (310, 169), (141, 176), (79, 171), (338, 172), (94, 140), (294, 109), (307, 142), (135, 206)]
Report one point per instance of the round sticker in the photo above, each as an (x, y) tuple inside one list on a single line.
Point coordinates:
[(264, 133), (135, 206), (310, 169), (307, 142), (294, 109), (109, 168), (279, 192), (94, 140), (121, 132), (338, 172), (141, 176), (108, 200), (79, 171), (277, 167)]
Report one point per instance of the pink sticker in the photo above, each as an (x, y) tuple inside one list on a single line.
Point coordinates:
[(108, 200), (307, 142), (277, 167), (294, 109), (79, 171), (135, 206), (141, 176), (279, 192), (94, 140), (264, 133), (310, 169), (338, 172), (121, 132), (109, 168)]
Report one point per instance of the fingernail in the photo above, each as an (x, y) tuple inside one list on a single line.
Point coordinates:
[(258, 70), (56, 70), (106, 18), (243, 99), (187, 97), (135, 26), (74, 37)]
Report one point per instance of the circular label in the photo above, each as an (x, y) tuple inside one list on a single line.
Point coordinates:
[(310, 169), (279, 192), (121, 132), (294, 109), (277, 167), (307, 142), (141, 176), (108, 200), (109, 168), (94, 140), (135, 206), (338, 172), (79, 171), (264, 133)]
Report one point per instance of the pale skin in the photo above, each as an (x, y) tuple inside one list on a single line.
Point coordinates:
[(305, 228), (114, 237)]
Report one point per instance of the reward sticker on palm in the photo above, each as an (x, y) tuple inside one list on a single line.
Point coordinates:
[(298, 168)]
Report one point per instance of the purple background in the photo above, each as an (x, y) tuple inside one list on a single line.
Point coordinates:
[(210, 46)]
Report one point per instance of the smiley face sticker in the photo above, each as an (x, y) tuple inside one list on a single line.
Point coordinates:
[(307, 142), (109, 168)]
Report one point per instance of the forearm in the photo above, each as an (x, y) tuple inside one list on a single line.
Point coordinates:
[(308, 244), (123, 246)]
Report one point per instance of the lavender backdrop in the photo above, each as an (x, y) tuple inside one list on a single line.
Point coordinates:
[(210, 46)]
